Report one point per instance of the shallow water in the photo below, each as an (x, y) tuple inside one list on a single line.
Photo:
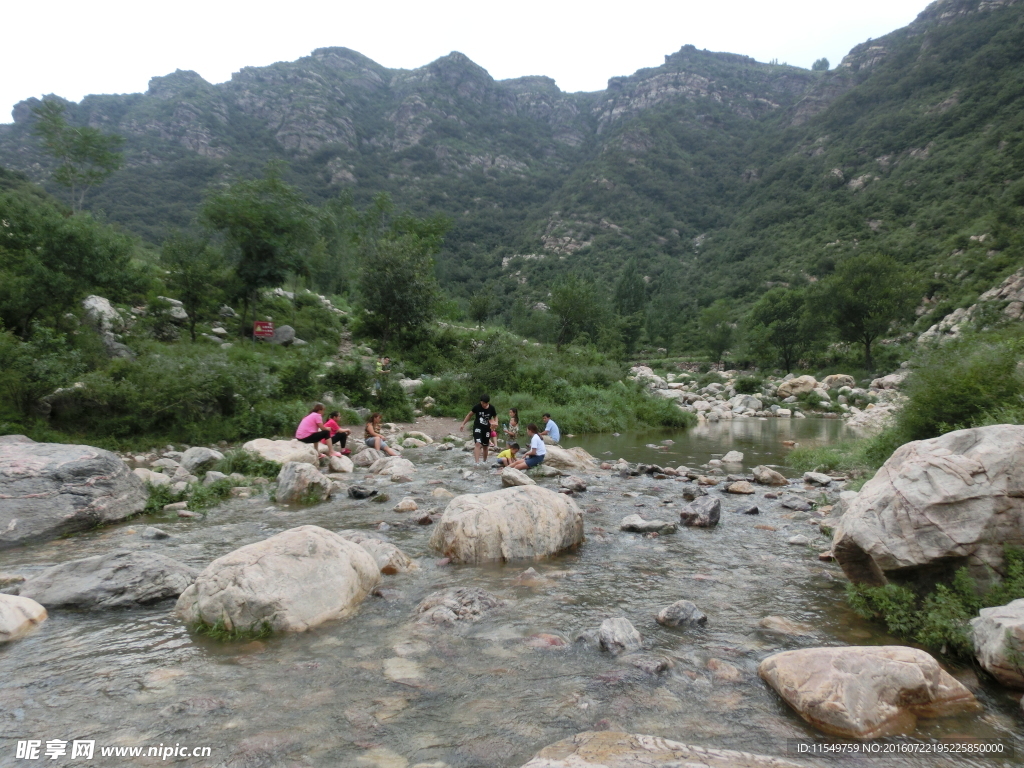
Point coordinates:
[(478, 695)]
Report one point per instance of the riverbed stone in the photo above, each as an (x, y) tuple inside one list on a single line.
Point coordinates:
[(18, 617), (702, 512), (528, 522), (214, 477), (937, 505), (197, 459), (799, 385), (367, 457), (865, 692), (569, 459), (291, 582), (283, 451), (298, 483), (733, 457), (448, 607), (767, 476), (511, 478), (998, 636), (615, 749), (817, 478), (119, 579), (741, 487), (618, 636), (682, 613), (341, 464), (408, 504), (389, 558), (573, 483), (636, 524), (49, 489), (796, 503), (155, 479), (389, 466)]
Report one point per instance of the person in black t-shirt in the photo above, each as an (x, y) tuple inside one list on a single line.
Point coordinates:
[(481, 413)]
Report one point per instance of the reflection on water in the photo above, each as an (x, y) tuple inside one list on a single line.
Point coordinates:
[(379, 690)]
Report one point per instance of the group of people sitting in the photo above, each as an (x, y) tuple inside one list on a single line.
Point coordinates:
[(485, 436), (313, 429)]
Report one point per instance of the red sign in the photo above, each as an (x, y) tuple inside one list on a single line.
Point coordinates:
[(262, 329)]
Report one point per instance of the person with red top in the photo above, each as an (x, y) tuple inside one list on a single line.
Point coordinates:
[(311, 429), (339, 434)]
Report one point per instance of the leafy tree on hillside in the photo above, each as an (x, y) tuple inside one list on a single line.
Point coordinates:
[(778, 326), (630, 300), (268, 224), (85, 156), (50, 261), (716, 328), (821, 65), (578, 307), (864, 297), (195, 273), (397, 288)]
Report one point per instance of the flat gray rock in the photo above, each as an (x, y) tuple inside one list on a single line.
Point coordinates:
[(636, 524), (49, 489), (119, 579)]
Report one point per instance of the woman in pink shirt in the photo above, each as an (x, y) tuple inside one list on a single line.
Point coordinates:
[(311, 428)]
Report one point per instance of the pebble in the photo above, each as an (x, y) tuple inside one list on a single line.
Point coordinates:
[(154, 533), (799, 540)]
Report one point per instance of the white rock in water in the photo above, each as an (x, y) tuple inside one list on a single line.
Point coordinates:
[(389, 558), (299, 482), (817, 478), (408, 504), (341, 464), (153, 478), (998, 634), (392, 465), (636, 524), (733, 457), (865, 692), (18, 617), (512, 478), (527, 522), (291, 582), (283, 451), (618, 636), (569, 459)]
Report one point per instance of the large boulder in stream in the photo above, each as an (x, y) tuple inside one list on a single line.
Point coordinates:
[(291, 582), (18, 617), (614, 749), (119, 579), (49, 489), (937, 505), (569, 459), (998, 636), (283, 451), (301, 483), (865, 692), (526, 522)]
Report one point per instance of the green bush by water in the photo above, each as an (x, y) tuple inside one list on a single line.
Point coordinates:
[(247, 463), (218, 631), (941, 619)]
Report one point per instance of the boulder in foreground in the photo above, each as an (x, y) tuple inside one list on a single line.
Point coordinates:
[(291, 582), (18, 617), (301, 483), (937, 505), (527, 522), (569, 459), (998, 636), (613, 749), (865, 692), (49, 489), (119, 579)]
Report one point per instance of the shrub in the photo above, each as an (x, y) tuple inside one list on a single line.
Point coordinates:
[(247, 463), (218, 631), (749, 385)]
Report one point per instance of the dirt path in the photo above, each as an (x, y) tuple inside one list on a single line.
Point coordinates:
[(435, 426)]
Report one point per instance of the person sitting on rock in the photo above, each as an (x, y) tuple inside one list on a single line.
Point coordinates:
[(339, 434), (538, 450), (551, 429), (311, 429), (374, 439), (506, 457)]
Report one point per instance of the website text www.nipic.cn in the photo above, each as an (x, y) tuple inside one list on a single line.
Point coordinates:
[(85, 749)]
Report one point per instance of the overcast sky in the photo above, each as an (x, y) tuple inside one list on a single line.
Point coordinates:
[(114, 46)]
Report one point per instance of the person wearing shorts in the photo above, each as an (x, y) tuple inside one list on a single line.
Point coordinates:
[(482, 414), (373, 437), (538, 450)]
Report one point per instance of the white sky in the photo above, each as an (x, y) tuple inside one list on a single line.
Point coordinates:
[(114, 46)]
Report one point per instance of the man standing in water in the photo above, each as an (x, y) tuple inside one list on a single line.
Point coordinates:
[(481, 413)]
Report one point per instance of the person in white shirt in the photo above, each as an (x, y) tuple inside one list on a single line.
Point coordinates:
[(537, 451)]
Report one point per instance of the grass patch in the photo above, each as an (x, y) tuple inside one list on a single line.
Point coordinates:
[(218, 631), (853, 458), (941, 619), (247, 463), (202, 497), (159, 497)]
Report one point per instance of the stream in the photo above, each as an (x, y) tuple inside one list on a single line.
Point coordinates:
[(379, 690)]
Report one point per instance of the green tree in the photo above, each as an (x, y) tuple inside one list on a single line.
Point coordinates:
[(397, 288), (479, 307), (716, 329), (50, 261), (779, 328), (630, 291), (195, 275), (864, 297), (85, 156), (578, 308), (821, 65), (268, 225)]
